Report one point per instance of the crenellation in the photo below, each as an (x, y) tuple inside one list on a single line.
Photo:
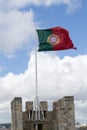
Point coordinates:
[(44, 105), (29, 106)]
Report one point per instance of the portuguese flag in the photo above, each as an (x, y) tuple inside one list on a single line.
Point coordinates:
[(53, 39)]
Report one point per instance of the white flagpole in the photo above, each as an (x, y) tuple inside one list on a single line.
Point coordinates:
[(36, 85)]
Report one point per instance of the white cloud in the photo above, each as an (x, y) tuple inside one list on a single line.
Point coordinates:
[(56, 78), (72, 5), (16, 29), (81, 108)]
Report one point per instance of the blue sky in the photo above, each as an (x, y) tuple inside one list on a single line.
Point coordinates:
[(49, 16), (18, 22)]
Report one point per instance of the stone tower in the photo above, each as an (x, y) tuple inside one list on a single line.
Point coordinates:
[(60, 118), (16, 114), (65, 113)]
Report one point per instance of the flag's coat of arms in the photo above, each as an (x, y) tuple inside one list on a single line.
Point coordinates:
[(53, 39)]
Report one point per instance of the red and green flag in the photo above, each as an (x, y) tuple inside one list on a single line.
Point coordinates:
[(53, 39)]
